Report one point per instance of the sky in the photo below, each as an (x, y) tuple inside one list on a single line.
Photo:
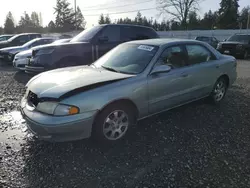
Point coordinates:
[(91, 9)]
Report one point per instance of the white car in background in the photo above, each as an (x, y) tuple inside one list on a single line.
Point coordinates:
[(22, 58)]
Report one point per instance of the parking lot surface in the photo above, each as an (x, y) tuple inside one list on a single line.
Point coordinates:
[(197, 145)]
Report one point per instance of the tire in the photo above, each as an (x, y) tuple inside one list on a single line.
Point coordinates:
[(219, 90), (109, 126), (245, 56)]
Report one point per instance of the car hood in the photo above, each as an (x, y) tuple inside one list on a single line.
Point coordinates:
[(13, 50), (59, 45), (4, 44), (25, 53), (56, 83)]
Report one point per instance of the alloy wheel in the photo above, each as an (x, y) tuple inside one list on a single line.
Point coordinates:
[(219, 91), (115, 125)]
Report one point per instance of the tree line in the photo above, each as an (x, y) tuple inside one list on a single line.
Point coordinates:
[(183, 17)]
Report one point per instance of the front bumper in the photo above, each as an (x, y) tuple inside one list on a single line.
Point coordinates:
[(58, 128), (20, 63), (7, 57), (233, 52), (34, 70)]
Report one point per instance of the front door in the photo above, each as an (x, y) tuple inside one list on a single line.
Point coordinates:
[(108, 38), (169, 89)]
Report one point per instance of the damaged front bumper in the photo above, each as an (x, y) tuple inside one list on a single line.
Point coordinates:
[(58, 128)]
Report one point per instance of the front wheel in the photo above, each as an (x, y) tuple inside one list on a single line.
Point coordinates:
[(219, 91), (113, 123)]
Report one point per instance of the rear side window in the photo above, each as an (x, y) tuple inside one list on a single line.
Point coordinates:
[(137, 33), (35, 36), (112, 32), (198, 54), (205, 39)]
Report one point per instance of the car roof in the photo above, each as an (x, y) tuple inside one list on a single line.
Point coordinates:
[(5, 35), (29, 34), (162, 41), (203, 37), (242, 34), (130, 25)]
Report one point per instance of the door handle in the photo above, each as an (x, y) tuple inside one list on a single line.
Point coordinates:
[(217, 66)]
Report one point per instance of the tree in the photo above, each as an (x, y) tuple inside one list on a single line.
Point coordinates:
[(138, 18), (9, 26), (228, 14), (64, 16), (107, 19), (193, 21), (101, 19), (209, 20), (80, 22), (243, 19), (25, 24), (51, 26), (178, 9), (35, 19), (1, 30)]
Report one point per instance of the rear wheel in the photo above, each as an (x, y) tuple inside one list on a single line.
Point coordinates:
[(219, 90), (245, 56), (114, 123)]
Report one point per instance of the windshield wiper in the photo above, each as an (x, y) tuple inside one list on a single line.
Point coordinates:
[(110, 69)]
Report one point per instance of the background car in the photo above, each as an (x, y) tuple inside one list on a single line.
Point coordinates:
[(9, 53), (131, 82), (22, 58), (5, 37), (237, 45), (87, 46), (210, 40), (20, 39)]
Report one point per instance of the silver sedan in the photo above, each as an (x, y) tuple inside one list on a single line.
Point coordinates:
[(131, 82)]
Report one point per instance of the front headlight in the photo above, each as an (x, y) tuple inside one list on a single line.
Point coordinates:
[(54, 108), (219, 45), (45, 51)]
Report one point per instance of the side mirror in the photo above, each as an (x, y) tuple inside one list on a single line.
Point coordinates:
[(225, 40), (103, 39), (161, 69)]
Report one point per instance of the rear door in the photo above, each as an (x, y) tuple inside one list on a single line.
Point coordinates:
[(203, 69), (107, 39)]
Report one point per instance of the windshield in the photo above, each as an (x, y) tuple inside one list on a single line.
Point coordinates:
[(27, 44), (12, 38), (239, 38), (87, 34), (127, 58)]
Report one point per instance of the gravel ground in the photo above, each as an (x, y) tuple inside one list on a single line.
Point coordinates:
[(197, 145)]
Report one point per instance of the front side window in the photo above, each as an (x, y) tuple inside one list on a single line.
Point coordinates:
[(174, 56), (112, 33), (127, 58), (22, 39), (198, 54)]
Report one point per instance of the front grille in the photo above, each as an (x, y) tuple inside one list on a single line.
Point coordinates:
[(32, 98), (229, 46), (21, 65)]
